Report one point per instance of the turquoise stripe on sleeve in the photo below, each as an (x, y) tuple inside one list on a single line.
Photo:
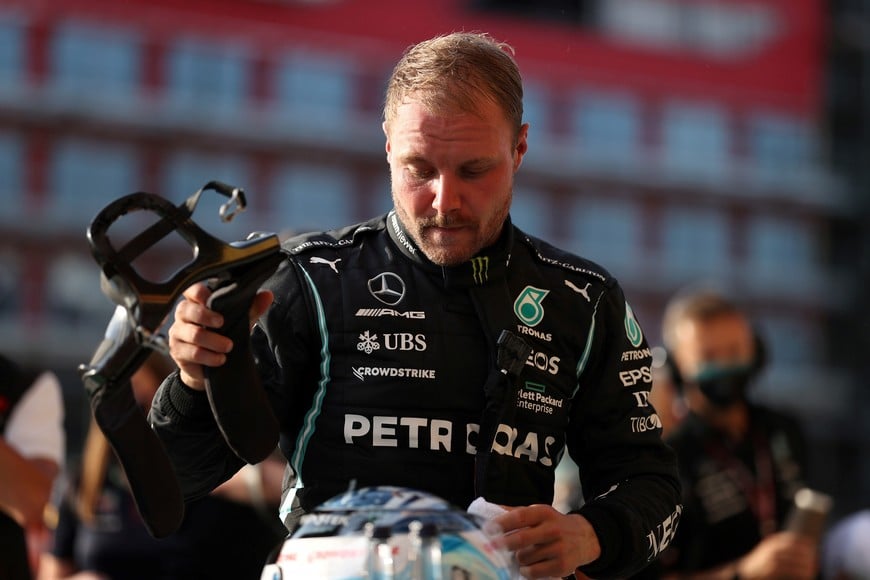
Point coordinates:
[(581, 365), (308, 423)]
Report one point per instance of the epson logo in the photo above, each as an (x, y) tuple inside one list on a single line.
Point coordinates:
[(378, 312), (635, 376)]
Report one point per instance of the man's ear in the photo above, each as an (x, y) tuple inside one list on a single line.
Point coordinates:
[(387, 143), (522, 145)]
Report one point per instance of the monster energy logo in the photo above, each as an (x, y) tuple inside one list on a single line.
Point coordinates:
[(528, 307), (632, 327), (480, 269)]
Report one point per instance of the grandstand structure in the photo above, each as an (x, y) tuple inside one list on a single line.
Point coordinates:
[(673, 141)]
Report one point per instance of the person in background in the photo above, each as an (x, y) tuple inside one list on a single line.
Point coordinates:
[(32, 448), (664, 397), (567, 495), (439, 347), (845, 550), (740, 463), (99, 534), (665, 394)]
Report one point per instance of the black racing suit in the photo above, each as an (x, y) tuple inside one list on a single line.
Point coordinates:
[(376, 361), (722, 482)]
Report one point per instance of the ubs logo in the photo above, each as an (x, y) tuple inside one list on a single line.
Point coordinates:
[(368, 342), (387, 288)]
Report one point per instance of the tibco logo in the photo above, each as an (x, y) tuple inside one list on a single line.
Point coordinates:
[(644, 424)]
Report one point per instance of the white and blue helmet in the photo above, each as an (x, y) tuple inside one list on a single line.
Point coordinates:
[(391, 533)]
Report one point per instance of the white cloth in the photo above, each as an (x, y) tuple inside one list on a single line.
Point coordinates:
[(486, 510), (35, 427), (846, 548)]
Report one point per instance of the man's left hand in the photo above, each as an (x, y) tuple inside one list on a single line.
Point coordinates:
[(548, 543)]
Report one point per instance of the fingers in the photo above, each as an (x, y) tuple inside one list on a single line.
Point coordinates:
[(783, 554), (544, 561), (798, 558), (546, 543), (192, 343), (260, 304), (197, 293), (523, 517)]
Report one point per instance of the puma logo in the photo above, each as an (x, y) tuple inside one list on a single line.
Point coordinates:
[(582, 291), (331, 264)]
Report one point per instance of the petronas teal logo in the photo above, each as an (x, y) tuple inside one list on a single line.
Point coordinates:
[(528, 307), (632, 327)]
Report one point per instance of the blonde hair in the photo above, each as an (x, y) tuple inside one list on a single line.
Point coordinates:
[(699, 304), (453, 71)]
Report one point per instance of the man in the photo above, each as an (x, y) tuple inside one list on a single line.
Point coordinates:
[(381, 347), (740, 463), (32, 446)]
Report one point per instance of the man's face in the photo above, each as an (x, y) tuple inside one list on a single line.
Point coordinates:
[(723, 341), (452, 177)]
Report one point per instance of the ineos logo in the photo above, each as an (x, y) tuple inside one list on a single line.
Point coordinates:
[(388, 288)]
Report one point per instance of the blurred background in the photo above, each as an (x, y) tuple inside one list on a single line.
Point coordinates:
[(673, 141)]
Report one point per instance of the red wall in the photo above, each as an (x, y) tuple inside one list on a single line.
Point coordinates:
[(785, 74)]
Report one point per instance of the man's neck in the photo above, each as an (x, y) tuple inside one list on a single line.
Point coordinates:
[(732, 421)]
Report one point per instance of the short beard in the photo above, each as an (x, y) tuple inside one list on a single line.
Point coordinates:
[(441, 256)]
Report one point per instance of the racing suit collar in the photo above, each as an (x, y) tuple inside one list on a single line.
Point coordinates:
[(489, 265)]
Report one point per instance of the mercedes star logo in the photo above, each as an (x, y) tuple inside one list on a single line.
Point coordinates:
[(388, 288)]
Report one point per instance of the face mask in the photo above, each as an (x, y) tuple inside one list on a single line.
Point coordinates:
[(724, 385)]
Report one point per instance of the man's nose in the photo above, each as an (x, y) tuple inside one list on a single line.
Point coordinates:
[(447, 194)]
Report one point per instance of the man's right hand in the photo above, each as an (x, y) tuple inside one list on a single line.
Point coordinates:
[(781, 555), (194, 338)]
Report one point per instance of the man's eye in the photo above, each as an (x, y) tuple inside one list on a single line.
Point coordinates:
[(421, 172), (472, 172)]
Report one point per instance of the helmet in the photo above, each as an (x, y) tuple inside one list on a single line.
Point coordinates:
[(391, 533)]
